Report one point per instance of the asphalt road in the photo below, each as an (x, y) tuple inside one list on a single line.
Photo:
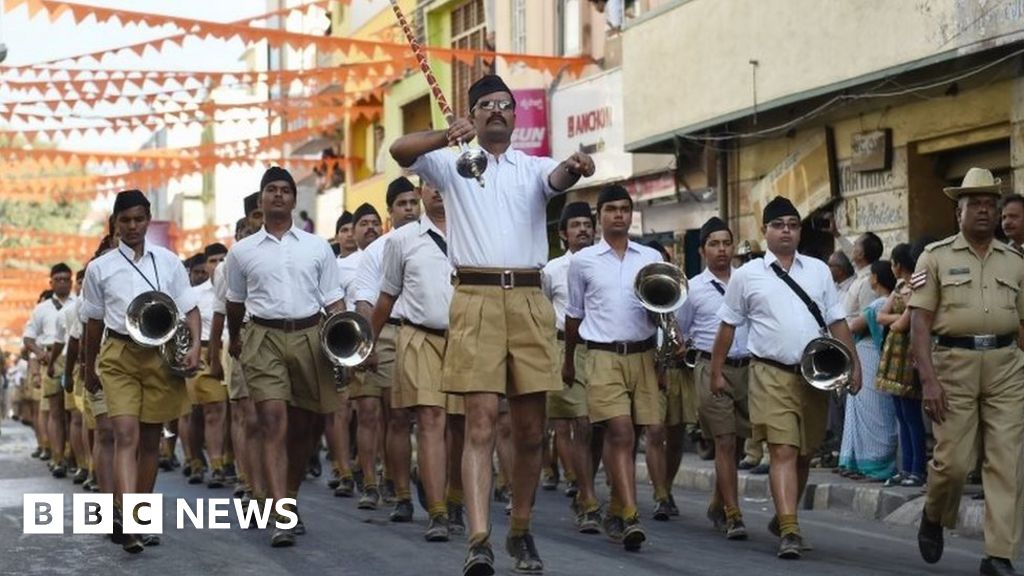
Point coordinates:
[(342, 540)]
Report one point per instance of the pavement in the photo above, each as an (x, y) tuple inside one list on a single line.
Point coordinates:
[(345, 541)]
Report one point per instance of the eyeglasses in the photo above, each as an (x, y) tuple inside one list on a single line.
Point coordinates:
[(492, 105), (784, 224)]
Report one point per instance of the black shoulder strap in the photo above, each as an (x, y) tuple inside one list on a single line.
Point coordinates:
[(718, 287), (811, 305), (439, 241)]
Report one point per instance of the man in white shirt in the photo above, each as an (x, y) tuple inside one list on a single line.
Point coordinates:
[(40, 337), (284, 277), (567, 408), (622, 383), (372, 387), (140, 392), (417, 274), (784, 410), (501, 323), (60, 355), (724, 417)]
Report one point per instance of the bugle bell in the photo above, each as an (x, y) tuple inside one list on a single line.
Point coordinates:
[(347, 339), (826, 364), (152, 319), (661, 289)]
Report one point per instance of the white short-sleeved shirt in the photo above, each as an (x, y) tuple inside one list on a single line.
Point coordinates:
[(112, 282), (205, 296), (348, 267), (554, 281), (370, 274), (601, 293), (780, 323), (502, 224), (45, 322), (418, 273), (70, 325), (698, 317), (287, 279)]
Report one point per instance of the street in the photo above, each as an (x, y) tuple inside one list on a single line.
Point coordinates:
[(344, 540)]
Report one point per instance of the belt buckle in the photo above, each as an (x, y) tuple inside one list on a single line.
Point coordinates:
[(622, 348), (508, 279), (985, 342), (288, 325)]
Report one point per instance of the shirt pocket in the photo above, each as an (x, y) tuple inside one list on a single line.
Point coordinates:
[(955, 292), (521, 203), (1006, 294)]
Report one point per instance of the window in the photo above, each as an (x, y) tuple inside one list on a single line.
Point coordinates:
[(519, 26), (469, 32), (571, 42)]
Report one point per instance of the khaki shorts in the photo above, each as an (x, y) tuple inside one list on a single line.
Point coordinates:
[(235, 376), (418, 364), (364, 384), (51, 386), (205, 389), (137, 382), (729, 413), (571, 402), (501, 341), (289, 366), (680, 397), (97, 403), (786, 410), (455, 405), (624, 385), (70, 405)]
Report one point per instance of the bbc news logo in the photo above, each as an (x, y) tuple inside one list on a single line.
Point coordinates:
[(144, 513)]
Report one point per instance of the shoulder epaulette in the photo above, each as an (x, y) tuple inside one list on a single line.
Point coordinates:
[(940, 243)]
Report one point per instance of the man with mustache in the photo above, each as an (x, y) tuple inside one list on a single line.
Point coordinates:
[(501, 324), (567, 408)]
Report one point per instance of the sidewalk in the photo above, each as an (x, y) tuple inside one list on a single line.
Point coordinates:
[(828, 491)]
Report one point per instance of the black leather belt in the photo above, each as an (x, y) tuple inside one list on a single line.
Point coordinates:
[(507, 279), (793, 368), (204, 343), (623, 348), (434, 331), (734, 362), (984, 342), (288, 325), (118, 336)]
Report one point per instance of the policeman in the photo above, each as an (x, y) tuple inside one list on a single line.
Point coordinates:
[(966, 311)]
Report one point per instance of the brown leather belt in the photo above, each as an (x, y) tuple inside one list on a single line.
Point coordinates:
[(507, 279), (434, 331), (288, 325), (623, 348), (734, 362), (394, 321), (791, 368), (118, 336)]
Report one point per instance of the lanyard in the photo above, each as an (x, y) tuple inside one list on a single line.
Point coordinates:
[(156, 272)]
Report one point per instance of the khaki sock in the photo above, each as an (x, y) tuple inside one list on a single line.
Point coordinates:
[(615, 508), (629, 512), (519, 527), (454, 497), (788, 525), (403, 494), (217, 463), (570, 476), (661, 495), (590, 505), (438, 509), (478, 539), (197, 465), (733, 513)]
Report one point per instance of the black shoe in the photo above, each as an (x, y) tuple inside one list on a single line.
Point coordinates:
[(197, 476), (300, 526), (613, 527), (230, 473), (991, 566), (81, 475), (87, 485), (735, 529), (437, 529), (912, 481), (895, 480), (673, 510), (132, 544), (662, 512), (760, 469), (716, 514), (402, 511), (387, 493), (245, 499), (589, 522), (186, 471), (37, 453), (315, 469), (929, 540), (357, 477), (549, 482), (335, 480), (95, 486), (790, 547), (165, 464), (281, 538), (117, 536), (633, 535), (60, 471), (44, 455), (501, 495), (746, 464), (775, 530), (524, 552), (217, 479), (479, 561), (239, 491), (150, 540), (571, 489), (370, 499), (346, 488), (175, 462), (456, 523)]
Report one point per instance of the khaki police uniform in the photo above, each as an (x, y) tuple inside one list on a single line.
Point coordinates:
[(978, 305)]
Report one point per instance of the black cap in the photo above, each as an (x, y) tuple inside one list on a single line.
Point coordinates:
[(275, 173), (252, 203), (714, 224), (345, 218), (778, 208), (366, 209), (575, 210), (489, 84), (129, 199), (61, 268), (215, 249), (612, 193), (398, 186)]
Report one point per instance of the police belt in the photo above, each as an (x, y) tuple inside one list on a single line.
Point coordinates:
[(980, 342), (742, 362), (623, 348)]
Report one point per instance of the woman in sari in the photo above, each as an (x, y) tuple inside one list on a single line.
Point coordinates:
[(896, 375), (869, 432)]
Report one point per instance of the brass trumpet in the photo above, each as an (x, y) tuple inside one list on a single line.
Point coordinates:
[(826, 364), (347, 339), (661, 289), (153, 321)]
